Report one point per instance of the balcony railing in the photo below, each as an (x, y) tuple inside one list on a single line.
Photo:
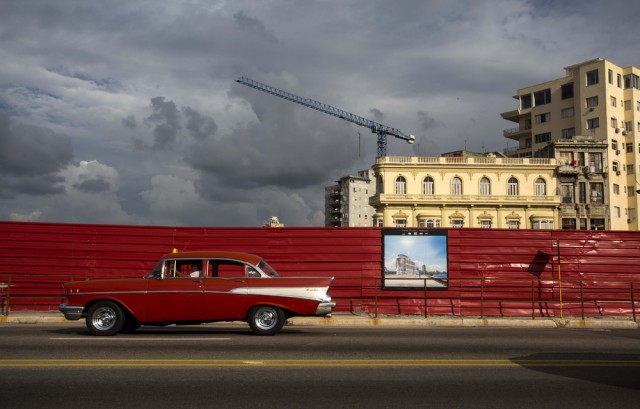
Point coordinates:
[(511, 132), (448, 160), (463, 199)]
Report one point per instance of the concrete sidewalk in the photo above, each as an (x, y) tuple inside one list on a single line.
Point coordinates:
[(350, 320)]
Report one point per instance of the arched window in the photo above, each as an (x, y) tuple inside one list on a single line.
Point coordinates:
[(541, 187), (401, 185), (512, 186), (456, 186), (427, 186), (485, 186)]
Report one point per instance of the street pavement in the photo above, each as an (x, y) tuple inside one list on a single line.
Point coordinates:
[(350, 320)]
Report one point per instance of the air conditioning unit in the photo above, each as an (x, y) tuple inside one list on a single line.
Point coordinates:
[(617, 130), (624, 132), (618, 172), (618, 152)]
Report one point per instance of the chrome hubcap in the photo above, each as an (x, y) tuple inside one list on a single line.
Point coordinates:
[(266, 318), (104, 318)]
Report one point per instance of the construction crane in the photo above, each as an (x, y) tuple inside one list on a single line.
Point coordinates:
[(379, 129)]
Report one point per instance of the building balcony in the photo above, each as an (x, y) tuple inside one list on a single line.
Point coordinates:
[(593, 172), (569, 210), (516, 133), (516, 114), (564, 170), (518, 152), (335, 213), (597, 210)]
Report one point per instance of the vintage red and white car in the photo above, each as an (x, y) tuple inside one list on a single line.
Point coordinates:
[(198, 287)]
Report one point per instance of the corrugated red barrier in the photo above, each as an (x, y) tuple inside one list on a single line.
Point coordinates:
[(491, 272)]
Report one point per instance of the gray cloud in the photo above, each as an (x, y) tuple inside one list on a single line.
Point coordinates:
[(130, 122), (93, 185), (199, 125), (165, 121), (30, 158), (377, 114), (298, 152), (254, 26), (426, 121)]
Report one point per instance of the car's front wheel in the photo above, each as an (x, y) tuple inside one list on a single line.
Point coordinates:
[(105, 318), (266, 320)]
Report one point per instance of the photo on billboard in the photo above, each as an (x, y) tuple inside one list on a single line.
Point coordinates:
[(415, 258)]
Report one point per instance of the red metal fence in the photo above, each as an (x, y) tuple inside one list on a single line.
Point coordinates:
[(526, 273)]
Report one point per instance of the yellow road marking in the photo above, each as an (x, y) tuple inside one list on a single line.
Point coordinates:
[(253, 363)]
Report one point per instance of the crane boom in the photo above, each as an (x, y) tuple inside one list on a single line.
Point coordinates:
[(379, 129)]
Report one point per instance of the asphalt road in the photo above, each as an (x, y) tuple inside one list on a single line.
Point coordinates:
[(56, 366)]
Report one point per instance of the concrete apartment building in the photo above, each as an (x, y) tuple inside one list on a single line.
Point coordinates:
[(347, 201), (589, 121)]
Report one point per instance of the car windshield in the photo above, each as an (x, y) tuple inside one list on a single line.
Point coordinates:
[(267, 269), (156, 272)]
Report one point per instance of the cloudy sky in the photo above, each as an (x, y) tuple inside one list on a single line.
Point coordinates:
[(127, 112)]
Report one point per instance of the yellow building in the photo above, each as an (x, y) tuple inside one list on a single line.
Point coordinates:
[(465, 191), (595, 101)]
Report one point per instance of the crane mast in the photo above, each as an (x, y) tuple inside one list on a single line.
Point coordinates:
[(377, 128)]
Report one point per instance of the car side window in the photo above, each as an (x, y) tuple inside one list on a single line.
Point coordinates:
[(230, 269), (189, 268), (170, 269), (252, 272)]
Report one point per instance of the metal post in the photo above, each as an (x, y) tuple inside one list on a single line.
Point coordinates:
[(376, 302), (533, 300), (426, 313), (581, 300), (559, 277), (482, 297), (633, 303), (7, 304)]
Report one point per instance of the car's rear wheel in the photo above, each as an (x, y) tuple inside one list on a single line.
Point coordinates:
[(105, 318), (130, 325), (266, 320)]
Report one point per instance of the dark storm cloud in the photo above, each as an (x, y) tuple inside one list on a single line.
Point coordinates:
[(426, 121), (95, 185), (165, 121), (377, 114), (37, 185), (254, 26), (199, 125), (30, 158), (130, 122), (288, 147)]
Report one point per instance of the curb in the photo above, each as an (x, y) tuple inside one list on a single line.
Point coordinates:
[(468, 322), (346, 320)]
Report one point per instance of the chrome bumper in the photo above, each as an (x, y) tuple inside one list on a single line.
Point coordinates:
[(325, 308), (71, 312)]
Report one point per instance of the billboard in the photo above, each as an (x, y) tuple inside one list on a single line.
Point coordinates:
[(415, 259)]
